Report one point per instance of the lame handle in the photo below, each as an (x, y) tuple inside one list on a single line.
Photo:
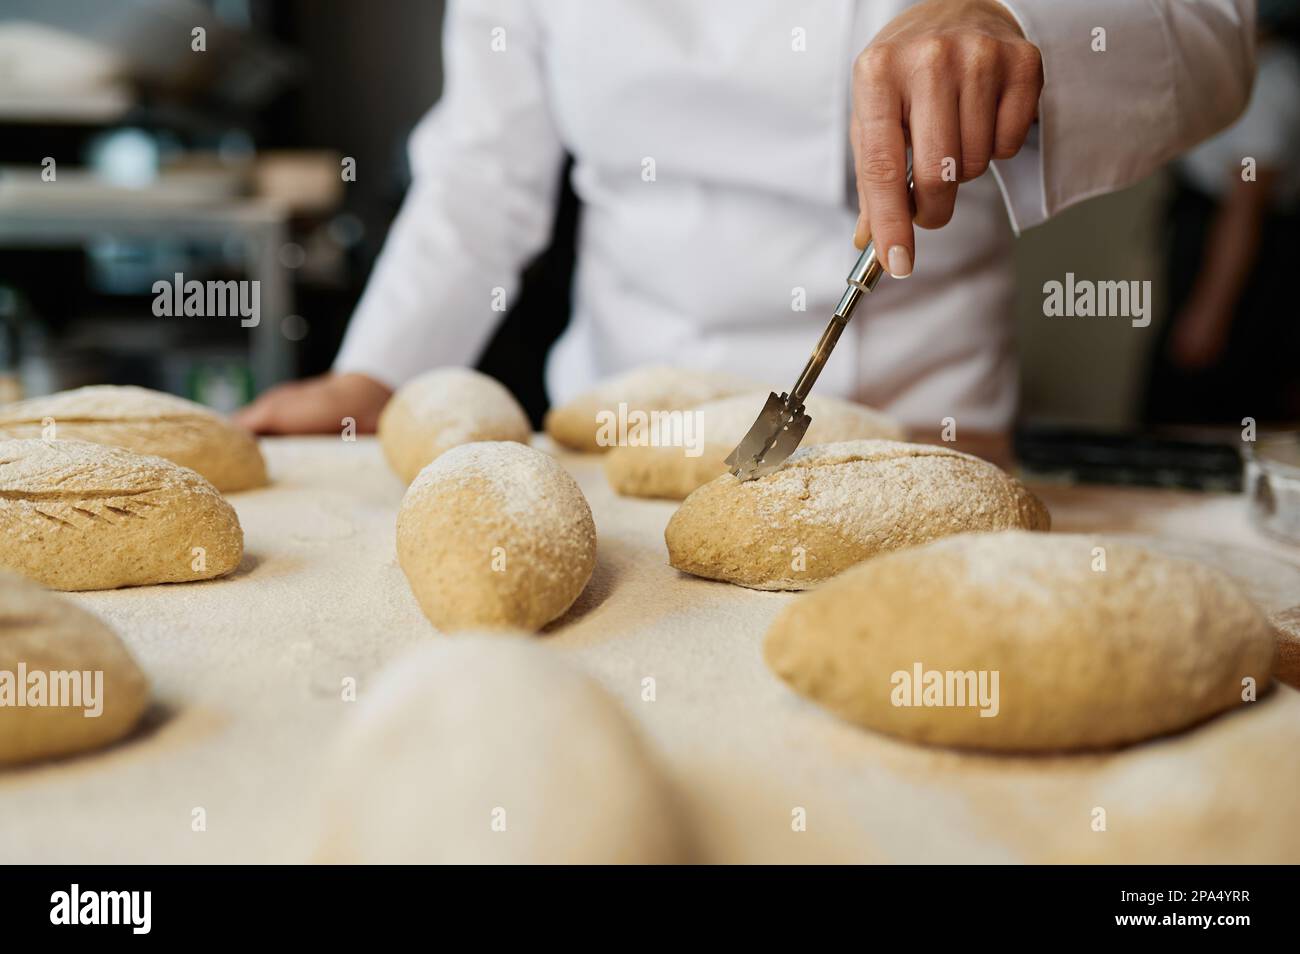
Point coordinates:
[(863, 278)]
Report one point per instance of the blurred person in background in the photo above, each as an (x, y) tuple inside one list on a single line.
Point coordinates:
[(727, 153), (1228, 351)]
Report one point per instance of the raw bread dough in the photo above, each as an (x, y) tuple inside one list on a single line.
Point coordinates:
[(64, 649), (443, 409), (578, 424), (81, 516), (488, 750), (646, 471), (495, 535), (835, 505), (147, 422), (1094, 642)]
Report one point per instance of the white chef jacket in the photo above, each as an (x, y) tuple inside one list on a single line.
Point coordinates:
[(712, 159)]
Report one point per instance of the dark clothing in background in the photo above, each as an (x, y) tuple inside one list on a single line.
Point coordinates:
[(1258, 373)]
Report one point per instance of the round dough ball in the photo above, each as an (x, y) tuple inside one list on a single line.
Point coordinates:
[(73, 659), (835, 505), (445, 408), (1031, 628), (487, 749), (495, 535), (147, 422), (717, 427), (80, 516), (589, 423)]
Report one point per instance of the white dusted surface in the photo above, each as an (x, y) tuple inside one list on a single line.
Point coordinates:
[(247, 674)]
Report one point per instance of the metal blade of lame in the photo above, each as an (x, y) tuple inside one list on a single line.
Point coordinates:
[(774, 436), (782, 423)]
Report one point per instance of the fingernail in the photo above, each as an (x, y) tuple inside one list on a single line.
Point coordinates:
[(900, 262)]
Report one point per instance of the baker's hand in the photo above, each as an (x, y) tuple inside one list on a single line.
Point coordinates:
[(317, 406), (959, 81)]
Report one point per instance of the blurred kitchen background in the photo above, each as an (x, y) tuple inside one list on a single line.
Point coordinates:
[(226, 165)]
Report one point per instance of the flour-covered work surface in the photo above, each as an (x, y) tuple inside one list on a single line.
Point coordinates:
[(250, 678)]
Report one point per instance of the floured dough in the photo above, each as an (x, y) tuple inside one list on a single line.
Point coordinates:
[(89, 689), (835, 505), (1068, 641), (673, 472), (80, 516), (443, 409), (495, 534), (147, 422), (485, 749), (577, 425)]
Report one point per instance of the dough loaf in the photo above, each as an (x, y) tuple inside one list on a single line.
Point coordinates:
[(495, 535), (1084, 657), (577, 424), (669, 472), (488, 750), (835, 505), (81, 516), (71, 658), (147, 422), (443, 409)]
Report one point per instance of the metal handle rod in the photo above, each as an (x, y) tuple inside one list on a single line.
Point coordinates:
[(818, 360), (862, 278)]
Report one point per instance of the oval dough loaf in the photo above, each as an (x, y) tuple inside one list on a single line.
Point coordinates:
[(1084, 657), (79, 516), (486, 749), (495, 535), (669, 472), (443, 409), (147, 422), (68, 651), (588, 423), (835, 505)]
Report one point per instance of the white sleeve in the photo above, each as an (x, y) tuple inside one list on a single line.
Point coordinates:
[(1172, 73), (485, 165)]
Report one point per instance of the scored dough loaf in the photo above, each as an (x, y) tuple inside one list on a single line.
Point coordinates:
[(495, 535), (147, 422), (445, 408), (668, 472), (81, 516), (831, 506), (48, 635), (1095, 642), (485, 749), (577, 424)]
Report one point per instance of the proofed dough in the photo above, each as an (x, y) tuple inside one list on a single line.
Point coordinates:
[(644, 470), (443, 409), (89, 689), (593, 422), (81, 516), (495, 534), (1067, 641), (147, 422), (831, 506), (482, 749)]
